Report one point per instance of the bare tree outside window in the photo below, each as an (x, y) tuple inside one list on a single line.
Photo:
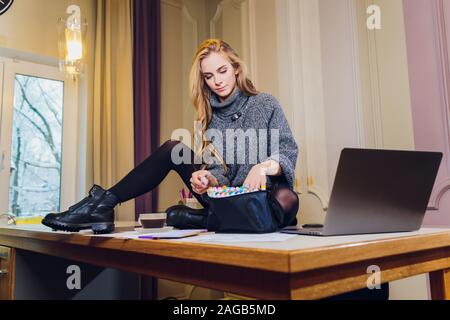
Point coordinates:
[(35, 177)]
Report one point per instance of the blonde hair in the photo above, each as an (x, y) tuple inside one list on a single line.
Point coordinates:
[(200, 92)]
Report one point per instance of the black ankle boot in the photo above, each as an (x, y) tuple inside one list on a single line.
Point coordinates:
[(184, 217), (95, 212)]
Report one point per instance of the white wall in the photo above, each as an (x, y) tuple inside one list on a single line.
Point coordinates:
[(386, 100)]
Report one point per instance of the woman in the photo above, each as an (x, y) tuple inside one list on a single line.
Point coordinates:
[(228, 108)]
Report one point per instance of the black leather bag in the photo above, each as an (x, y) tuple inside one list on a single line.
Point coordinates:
[(254, 212)]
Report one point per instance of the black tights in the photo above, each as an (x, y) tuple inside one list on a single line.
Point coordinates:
[(152, 171)]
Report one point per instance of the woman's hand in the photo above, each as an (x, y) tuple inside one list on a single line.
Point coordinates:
[(256, 178), (201, 180)]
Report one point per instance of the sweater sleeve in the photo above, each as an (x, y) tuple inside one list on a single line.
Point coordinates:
[(218, 171), (287, 152)]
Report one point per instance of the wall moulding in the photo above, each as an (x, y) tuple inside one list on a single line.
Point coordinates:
[(302, 91), (441, 47)]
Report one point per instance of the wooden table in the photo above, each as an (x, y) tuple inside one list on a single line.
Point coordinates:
[(303, 267)]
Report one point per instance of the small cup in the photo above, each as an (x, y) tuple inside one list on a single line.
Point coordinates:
[(152, 220)]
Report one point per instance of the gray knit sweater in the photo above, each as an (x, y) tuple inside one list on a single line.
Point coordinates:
[(269, 137)]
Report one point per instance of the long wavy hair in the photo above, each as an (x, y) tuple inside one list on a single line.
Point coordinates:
[(201, 94)]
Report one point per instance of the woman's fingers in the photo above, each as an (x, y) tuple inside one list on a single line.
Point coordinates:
[(200, 178), (204, 181), (197, 177), (261, 182), (198, 190), (196, 181), (204, 177), (255, 183)]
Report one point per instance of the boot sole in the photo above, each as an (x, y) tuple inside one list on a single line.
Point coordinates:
[(97, 228)]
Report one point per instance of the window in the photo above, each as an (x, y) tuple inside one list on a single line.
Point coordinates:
[(36, 175)]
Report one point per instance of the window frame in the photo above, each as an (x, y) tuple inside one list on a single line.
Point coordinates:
[(9, 67)]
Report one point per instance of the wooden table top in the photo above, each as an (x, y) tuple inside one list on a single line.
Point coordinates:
[(298, 254)]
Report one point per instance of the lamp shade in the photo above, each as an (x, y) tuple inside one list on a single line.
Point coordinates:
[(72, 42)]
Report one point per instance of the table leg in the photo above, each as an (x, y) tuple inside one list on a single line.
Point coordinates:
[(148, 287), (440, 284)]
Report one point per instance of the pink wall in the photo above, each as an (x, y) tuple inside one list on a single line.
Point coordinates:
[(427, 36)]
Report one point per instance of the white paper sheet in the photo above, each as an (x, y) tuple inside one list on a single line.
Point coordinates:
[(125, 233), (204, 236), (138, 233), (238, 237), (164, 235)]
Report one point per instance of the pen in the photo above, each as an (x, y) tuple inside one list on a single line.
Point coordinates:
[(155, 237), (146, 237), (183, 194), (190, 195)]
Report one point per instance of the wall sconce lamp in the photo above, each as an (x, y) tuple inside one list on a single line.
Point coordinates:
[(72, 42)]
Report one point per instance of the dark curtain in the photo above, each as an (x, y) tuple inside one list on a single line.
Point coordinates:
[(146, 87)]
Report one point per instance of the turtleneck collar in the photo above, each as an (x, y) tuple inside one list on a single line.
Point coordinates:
[(230, 106)]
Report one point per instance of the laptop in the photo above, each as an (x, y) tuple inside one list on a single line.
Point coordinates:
[(378, 191)]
